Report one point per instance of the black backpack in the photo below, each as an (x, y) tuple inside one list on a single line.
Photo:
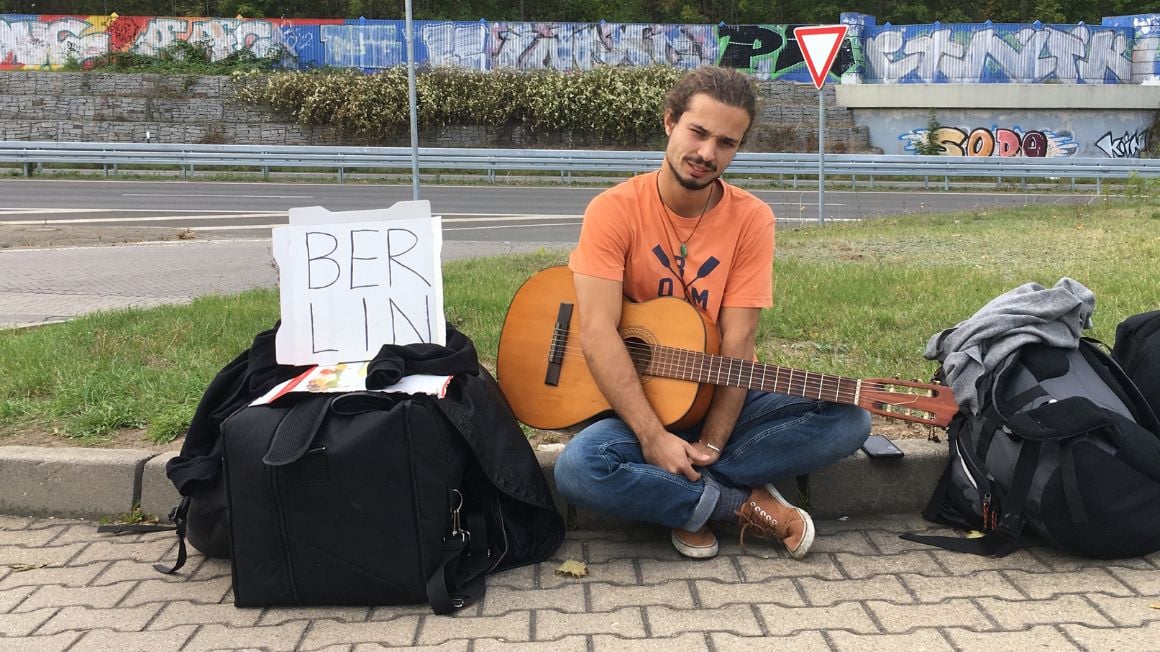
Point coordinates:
[(1064, 447), (1137, 349)]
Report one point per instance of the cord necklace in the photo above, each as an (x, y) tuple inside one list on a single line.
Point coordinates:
[(668, 218)]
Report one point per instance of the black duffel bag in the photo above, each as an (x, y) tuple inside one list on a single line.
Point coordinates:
[(362, 498)]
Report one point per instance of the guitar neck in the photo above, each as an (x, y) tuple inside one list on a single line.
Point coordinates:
[(669, 362)]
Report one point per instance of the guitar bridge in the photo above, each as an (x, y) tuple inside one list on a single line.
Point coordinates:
[(559, 344)]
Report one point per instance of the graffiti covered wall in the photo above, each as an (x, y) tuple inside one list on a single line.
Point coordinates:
[(1125, 49), (583, 46), (1032, 133), (772, 52), (46, 42), (1146, 49), (993, 141), (985, 53), (51, 41), (29, 42)]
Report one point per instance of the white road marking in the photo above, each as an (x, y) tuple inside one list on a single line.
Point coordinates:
[(166, 194), (245, 227), (40, 211), (814, 219), (506, 217), (155, 218)]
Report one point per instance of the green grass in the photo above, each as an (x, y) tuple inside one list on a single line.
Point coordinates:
[(856, 299)]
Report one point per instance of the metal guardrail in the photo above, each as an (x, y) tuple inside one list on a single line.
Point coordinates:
[(189, 157)]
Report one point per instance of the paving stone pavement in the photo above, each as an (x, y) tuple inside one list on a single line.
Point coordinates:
[(63, 586)]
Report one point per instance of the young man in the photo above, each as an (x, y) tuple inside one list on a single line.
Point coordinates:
[(682, 231)]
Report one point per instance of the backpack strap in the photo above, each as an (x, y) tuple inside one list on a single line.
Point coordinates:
[(1006, 538), (132, 528), (177, 517), (1070, 480)]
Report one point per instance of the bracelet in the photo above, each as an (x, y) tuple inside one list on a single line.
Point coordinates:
[(708, 445)]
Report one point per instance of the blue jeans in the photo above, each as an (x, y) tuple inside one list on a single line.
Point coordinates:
[(776, 436)]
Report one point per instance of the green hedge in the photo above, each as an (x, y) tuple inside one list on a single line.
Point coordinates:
[(613, 104)]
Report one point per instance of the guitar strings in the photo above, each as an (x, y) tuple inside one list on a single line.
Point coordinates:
[(830, 387), (827, 383)]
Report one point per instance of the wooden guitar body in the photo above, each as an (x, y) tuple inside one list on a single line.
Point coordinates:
[(530, 332)]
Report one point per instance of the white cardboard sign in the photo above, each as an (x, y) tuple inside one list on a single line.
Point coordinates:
[(353, 281)]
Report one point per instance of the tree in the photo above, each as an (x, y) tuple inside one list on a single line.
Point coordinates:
[(897, 12)]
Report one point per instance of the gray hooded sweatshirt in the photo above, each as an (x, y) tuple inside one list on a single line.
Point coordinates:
[(1028, 314)]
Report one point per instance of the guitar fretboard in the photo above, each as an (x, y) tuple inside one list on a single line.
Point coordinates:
[(682, 364)]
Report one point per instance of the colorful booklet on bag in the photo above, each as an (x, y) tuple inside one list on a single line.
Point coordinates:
[(351, 377)]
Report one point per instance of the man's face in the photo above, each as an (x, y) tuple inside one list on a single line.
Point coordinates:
[(703, 142)]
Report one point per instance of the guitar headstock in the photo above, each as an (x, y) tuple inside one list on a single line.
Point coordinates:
[(908, 400)]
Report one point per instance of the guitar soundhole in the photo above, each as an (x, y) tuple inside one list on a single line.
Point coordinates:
[(640, 352)]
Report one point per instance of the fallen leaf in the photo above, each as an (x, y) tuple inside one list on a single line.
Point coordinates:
[(975, 534), (19, 568), (573, 568), (1154, 605)]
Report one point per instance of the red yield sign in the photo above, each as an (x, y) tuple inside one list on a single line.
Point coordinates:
[(819, 46)]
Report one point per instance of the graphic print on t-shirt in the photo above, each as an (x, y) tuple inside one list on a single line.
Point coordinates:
[(692, 295)]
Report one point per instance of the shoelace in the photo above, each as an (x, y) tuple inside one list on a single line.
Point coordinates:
[(757, 518)]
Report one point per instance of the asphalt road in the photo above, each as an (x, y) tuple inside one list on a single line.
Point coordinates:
[(508, 213)]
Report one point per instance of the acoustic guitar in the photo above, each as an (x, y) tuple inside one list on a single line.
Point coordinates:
[(545, 378)]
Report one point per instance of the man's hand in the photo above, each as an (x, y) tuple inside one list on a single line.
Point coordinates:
[(674, 455)]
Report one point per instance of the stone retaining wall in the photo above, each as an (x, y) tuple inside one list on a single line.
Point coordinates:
[(198, 109)]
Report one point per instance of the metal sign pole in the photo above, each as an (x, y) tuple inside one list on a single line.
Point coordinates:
[(412, 101), (821, 155), (819, 46)]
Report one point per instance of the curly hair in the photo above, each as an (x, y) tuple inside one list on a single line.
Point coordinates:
[(725, 85)]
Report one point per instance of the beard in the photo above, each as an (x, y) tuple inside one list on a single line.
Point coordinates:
[(693, 184)]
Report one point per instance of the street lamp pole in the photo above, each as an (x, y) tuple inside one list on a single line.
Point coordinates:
[(413, 102)]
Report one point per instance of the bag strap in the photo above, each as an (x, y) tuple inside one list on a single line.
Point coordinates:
[(295, 431), (1006, 538), (177, 517), (460, 578), (132, 528), (1070, 480)]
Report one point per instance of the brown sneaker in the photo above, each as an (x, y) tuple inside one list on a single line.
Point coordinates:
[(767, 514), (701, 544)]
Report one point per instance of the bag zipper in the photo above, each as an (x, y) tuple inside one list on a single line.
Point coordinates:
[(503, 533), (963, 463), (272, 472)]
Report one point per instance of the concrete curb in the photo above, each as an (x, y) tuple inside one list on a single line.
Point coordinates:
[(158, 495), (93, 483), (70, 482)]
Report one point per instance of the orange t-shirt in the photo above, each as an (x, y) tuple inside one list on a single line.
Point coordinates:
[(627, 236)]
